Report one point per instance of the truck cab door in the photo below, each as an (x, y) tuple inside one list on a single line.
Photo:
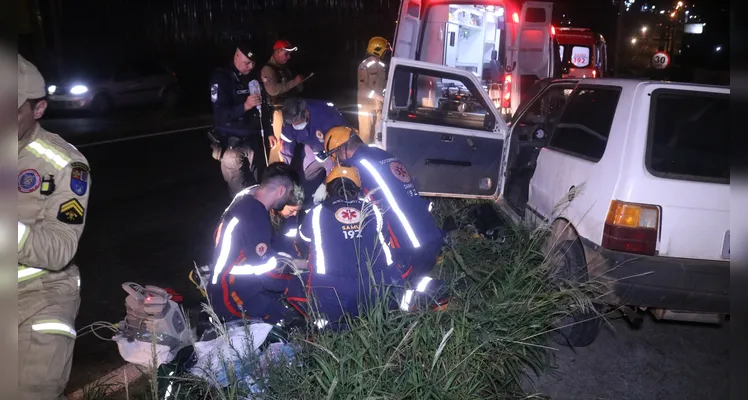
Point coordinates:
[(534, 49), (445, 130), (406, 32)]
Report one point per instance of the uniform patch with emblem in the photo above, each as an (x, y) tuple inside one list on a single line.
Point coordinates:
[(261, 249), (214, 92), (71, 212), (79, 178), (28, 181), (320, 136), (348, 215), (399, 171)]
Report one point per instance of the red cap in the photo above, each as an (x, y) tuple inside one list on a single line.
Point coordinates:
[(285, 45)]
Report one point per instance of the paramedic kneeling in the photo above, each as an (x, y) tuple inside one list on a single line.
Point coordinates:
[(247, 278), (350, 261), (415, 240)]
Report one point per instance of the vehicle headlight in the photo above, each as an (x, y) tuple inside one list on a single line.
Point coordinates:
[(51, 89), (78, 89)]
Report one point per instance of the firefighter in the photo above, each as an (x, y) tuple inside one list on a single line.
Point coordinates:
[(372, 79), (53, 187), (245, 132), (305, 122), (416, 241), (279, 83), (248, 276), (350, 261)]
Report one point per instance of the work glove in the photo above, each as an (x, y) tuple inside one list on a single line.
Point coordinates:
[(320, 195)]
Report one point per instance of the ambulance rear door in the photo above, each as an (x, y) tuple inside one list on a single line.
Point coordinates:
[(407, 29), (532, 49)]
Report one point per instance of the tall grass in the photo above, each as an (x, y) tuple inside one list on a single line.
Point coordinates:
[(494, 330)]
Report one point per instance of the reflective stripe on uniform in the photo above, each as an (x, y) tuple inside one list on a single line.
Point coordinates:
[(260, 269), (285, 139), (321, 323), (380, 226), (223, 257), (291, 232), (370, 63), (393, 203), (54, 326), (23, 234), (408, 296), (319, 255), (25, 273), (371, 94), (41, 149), (304, 238)]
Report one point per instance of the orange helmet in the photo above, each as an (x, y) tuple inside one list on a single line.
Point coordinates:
[(339, 171), (337, 137)]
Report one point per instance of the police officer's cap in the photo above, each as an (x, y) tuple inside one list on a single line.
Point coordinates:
[(246, 49), (294, 109)]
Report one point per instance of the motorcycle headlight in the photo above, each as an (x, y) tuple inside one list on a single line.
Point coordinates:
[(78, 89)]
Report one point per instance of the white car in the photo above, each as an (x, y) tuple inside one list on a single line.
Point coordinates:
[(130, 84), (642, 166)]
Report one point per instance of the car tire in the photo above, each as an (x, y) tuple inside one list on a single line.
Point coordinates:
[(580, 328), (102, 104)]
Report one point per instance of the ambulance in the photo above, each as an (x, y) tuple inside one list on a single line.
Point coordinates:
[(583, 52), (508, 46)]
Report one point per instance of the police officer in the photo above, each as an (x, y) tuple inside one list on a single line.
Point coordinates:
[(372, 80), (416, 241), (348, 254), (248, 278), (305, 122), (279, 83), (53, 187), (239, 123)]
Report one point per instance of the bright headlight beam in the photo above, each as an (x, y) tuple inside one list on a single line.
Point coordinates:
[(78, 89)]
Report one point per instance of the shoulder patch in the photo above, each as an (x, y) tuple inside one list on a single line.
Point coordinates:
[(348, 215), (71, 212), (214, 92), (261, 249), (399, 171), (79, 178), (29, 180)]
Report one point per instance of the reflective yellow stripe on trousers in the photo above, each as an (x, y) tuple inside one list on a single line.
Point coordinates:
[(55, 327), (25, 273)]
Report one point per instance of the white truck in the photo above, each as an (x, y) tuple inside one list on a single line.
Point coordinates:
[(507, 45), (643, 167)]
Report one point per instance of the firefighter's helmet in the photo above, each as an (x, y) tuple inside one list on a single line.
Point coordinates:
[(378, 46)]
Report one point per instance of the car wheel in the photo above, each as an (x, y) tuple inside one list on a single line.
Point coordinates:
[(579, 328), (102, 104)]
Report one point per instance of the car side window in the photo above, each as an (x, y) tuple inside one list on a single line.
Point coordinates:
[(438, 98), (585, 124), (543, 113)]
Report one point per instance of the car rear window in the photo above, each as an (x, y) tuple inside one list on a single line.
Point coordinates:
[(689, 136)]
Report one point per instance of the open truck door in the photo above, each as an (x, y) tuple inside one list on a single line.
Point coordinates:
[(533, 50), (407, 30), (445, 129)]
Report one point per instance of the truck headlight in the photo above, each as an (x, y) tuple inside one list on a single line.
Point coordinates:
[(78, 89), (51, 89)]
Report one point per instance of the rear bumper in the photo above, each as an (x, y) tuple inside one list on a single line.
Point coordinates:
[(662, 282)]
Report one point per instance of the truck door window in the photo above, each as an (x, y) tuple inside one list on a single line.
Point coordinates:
[(535, 14), (438, 98), (585, 124)]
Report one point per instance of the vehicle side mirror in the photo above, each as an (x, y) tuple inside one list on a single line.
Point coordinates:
[(489, 121)]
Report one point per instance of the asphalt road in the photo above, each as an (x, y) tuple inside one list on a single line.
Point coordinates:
[(154, 205)]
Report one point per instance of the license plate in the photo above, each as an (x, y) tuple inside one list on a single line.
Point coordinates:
[(726, 246)]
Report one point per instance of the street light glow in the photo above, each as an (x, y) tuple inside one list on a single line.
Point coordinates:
[(719, 48), (644, 29), (680, 4), (633, 40)]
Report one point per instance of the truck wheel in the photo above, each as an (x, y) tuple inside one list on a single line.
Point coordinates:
[(580, 328)]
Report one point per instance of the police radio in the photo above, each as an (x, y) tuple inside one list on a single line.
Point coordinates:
[(254, 89)]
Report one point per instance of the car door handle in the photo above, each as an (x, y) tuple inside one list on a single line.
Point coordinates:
[(447, 138)]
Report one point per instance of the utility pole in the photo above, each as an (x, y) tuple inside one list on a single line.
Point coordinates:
[(619, 36)]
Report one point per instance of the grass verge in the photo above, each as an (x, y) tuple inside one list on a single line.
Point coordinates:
[(502, 306)]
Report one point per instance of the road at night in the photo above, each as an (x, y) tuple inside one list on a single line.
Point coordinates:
[(153, 207)]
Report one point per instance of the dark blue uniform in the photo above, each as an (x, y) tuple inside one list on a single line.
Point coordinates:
[(238, 129), (245, 267), (286, 236), (415, 239), (345, 241)]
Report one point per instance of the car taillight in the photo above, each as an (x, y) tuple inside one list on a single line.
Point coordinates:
[(631, 228), (594, 73), (507, 96)]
